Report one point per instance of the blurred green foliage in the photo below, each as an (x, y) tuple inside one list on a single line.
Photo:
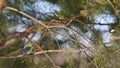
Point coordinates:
[(105, 57)]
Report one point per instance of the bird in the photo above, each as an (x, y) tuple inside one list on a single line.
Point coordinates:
[(28, 47), (1, 5), (115, 34)]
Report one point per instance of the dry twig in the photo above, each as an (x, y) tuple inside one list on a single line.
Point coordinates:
[(42, 52)]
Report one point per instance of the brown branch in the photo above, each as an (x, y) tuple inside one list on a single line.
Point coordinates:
[(39, 22), (40, 49), (42, 52), (115, 10), (17, 39), (7, 35), (10, 42)]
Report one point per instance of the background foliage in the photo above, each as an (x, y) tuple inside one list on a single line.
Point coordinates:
[(70, 25)]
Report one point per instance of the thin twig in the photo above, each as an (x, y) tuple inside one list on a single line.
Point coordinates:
[(7, 35), (39, 22), (15, 40), (114, 8), (42, 52), (40, 49)]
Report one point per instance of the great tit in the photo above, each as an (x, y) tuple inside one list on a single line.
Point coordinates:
[(28, 48)]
